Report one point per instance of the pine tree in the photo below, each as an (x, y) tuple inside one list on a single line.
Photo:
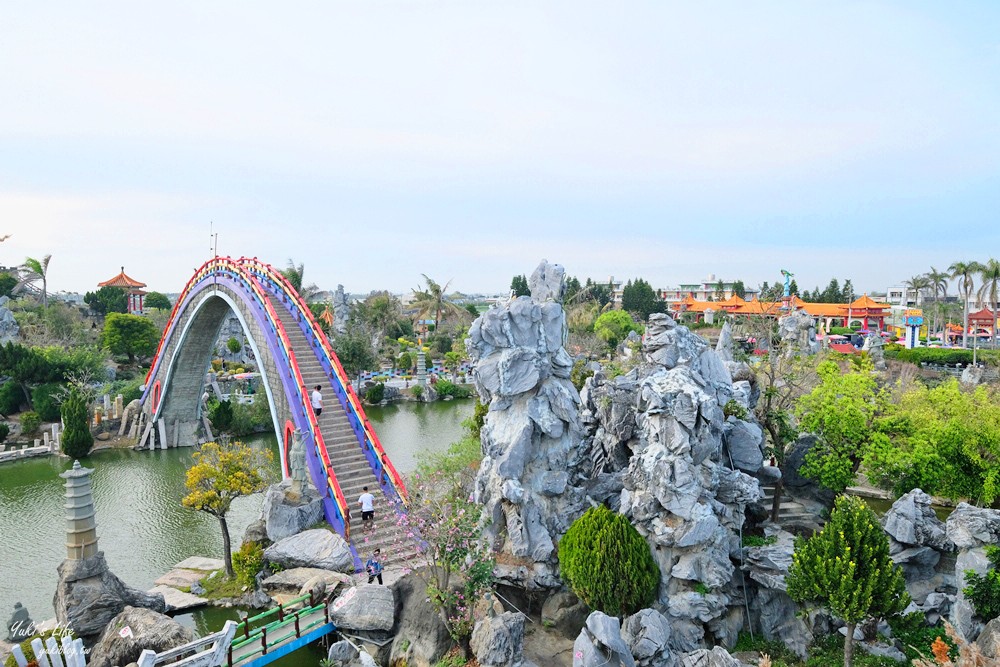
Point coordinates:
[(846, 569), (607, 563), (76, 439)]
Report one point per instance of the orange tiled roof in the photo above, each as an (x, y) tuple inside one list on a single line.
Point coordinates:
[(866, 302), (122, 280)]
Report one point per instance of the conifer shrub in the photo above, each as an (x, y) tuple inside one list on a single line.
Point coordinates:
[(4, 431), (220, 413), (45, 398), (607, 563), (30, 421), (11, 398), (846, 569), (76, 439), (375, 393)]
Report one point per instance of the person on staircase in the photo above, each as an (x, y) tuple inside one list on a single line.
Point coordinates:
[(317, 401), (367, 502), (374, 567)]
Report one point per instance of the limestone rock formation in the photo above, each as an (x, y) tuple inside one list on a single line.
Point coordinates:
[(716, 657), (775, 613), (989, 640), (285, 515), (530, 480), (971, 529), (600, 643), (498, 641), (364, 607), (300, 580), (88, 596), (10, 332), (344, 654), (647, 633), (341, 310), (420, 636), (798, 328), (564, 612), (149, 630), (312, 548)]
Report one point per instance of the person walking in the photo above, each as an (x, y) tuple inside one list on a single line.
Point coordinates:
[(367, 502), (317, 401), (374, 567)]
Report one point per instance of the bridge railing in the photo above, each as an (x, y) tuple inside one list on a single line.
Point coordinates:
[(384, 470), (239, 272), (291, 620), (194, 654)]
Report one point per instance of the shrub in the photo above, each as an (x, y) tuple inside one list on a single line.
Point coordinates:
[(734, 409), (46, 401), (76, 439), (447, 388), (916, 636), (578, 376), (607, 563), (983, 590), (478, 419), (11, 398), (418, 390), (233, 345), (30, 421), (375, 393), (4, 431), (216, 365), (220, 413), (29, 653), (247, 562)]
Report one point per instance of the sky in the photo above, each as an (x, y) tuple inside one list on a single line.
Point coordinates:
[(374, 141)]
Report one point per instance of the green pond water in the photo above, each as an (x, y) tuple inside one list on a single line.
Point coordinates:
[(141, 526)]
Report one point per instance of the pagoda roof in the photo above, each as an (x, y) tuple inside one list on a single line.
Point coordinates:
[(866, 302), (734, 300), (122, 280), (984, 315)]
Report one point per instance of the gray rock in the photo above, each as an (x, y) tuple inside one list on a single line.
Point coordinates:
[(316, 548), (883, 650), (546, 282), (420, 637), (293, 580), (716, 657), (911, 520), (285, 515), (255, 532), (10, 332), (564, 612), (647, 634), (600, 644), (344, 654), (970, 526), (498, 641), (744, 442), (989, 640), (150, 630), (88, 596), (797, 485), (364, 607), (963, 616)]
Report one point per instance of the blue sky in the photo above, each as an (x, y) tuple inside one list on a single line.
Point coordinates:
[(375, 141)]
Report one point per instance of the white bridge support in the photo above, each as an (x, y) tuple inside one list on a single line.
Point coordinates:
[(210, 651)]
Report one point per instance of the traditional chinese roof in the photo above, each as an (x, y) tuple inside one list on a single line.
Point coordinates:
[(843, 348), (865, 302), (122, 280), (733, 301), (984, 315)]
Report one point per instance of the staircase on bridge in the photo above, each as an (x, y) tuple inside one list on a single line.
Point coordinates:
[(350, 466)]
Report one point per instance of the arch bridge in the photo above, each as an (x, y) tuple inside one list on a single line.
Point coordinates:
[(343, 452)]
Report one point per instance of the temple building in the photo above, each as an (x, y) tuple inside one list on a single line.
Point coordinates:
[(133, 290), (865, 311)]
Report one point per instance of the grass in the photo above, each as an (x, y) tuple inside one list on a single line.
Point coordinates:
[(827, 651), (759, 541), (218, 587)]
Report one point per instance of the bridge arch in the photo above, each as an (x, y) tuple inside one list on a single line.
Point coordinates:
[(292, 355)]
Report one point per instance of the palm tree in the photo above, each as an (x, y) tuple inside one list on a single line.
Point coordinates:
[(939, 283), (295, 274), (33, 271), (989, 292), (965, 272), (916, 283), (432, 299)]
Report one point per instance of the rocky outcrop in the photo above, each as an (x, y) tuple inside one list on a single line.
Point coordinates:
[(564, 612), (971, 529), (286, 515), (300, 580), (600, 643), (716, 657), (799, 329), (530, 480), (316, 548), (774, 613), (420, 636), (364, 607), (498, 640), (149, 630), (341, 310), (88, 596), (917, 540), (647, 634), (989, 640), (10, 332), (344, 654)]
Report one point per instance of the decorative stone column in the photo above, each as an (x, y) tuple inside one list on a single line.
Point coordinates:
[(81, 527)]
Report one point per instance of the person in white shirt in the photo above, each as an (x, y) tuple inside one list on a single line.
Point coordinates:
[(317, 401), (367, 502)]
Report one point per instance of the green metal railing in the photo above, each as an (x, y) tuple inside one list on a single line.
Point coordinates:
[(291, 622)]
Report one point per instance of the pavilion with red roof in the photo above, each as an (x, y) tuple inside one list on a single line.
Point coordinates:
[(133, 290), (983, 318)]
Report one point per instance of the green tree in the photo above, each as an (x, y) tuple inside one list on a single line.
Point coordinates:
[(130, 335), (157, 300), (846, 568), (34, 271), (107, 300), (916, 284), (599, 293), (739, 289), (234, 345), (519, 286), (354, 349), (572, 287), (613, 326), (607, 563), (793, 288), (640, 299), (76, 439), (841, 410), (295, 273), (26, 366), (7, 284), (221, 473), (405, 362), (965, 272), (990, 291), (472, 310), (432, 301)]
